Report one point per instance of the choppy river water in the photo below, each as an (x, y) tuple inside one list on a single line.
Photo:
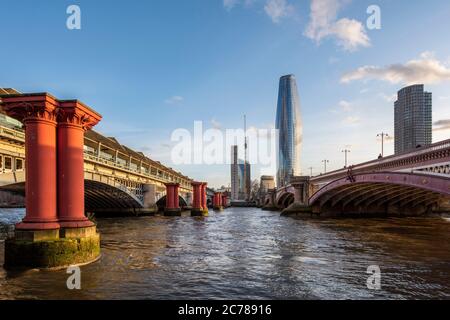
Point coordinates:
[(248, 253)]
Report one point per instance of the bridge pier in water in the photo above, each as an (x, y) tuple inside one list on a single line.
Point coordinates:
[(224, 201), (172, 200), (197, 208), (269, 204), (218, 201), (204, 198), (54, 233), (300, 205)]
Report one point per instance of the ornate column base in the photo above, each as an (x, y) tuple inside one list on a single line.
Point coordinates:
[(52, 249), (218, 208), (173, 212)]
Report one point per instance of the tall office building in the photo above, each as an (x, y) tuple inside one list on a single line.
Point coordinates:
[(289, 126), (413, 118), (239, 174)]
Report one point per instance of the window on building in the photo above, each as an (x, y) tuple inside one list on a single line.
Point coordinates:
[(8, 163), (19, 164)]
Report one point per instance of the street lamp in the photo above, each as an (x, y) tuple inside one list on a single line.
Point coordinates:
[(311, 171), (382, 135), (325, 164), (346, 151)]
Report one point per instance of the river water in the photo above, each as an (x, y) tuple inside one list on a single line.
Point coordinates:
[(246, 253)]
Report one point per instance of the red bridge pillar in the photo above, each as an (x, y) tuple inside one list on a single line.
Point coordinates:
[(74, 119), (204, 198), (224, 201), (54, 184), (197, 208), (218, 201), (172, 200), (38, 114)]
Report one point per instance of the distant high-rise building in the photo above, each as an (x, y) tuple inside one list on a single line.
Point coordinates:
[(413, 118), (239, 173), (267, 183), (289, 126)]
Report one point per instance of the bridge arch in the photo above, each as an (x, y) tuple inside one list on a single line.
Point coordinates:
[(161, 203), (285, 200), (389, 193), (101, 195)]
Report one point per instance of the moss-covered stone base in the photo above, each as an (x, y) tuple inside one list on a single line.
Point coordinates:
[(51, 253)]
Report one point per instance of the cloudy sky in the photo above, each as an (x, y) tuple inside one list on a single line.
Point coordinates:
[(151, 67)]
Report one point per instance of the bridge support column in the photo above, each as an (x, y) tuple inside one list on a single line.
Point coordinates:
[(197, 208), (150, 199), (270, 200), (301, 196), (218, 201), (172, 200), (40, 241), (224, 201), (73, 120), (204, 198)]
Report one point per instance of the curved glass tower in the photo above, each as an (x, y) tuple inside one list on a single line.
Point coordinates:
[(289, 126)]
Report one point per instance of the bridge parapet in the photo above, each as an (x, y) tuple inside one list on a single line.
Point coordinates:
[(433, 159)]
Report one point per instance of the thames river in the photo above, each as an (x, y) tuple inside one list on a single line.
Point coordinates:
[(246, 253)]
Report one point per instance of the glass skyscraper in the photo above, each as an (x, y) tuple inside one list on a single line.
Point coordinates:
[(290, 130), (413, 118)]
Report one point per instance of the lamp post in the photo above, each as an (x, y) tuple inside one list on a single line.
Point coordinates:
[(346, 151), (382, 135), (325, 164)]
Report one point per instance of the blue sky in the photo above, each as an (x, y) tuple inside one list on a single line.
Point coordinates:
[(150, 67)]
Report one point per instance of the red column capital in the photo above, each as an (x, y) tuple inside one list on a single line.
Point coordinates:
[(31, 107), (75, 113)]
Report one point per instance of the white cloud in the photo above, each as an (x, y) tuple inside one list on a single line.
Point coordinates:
[(427, 70), (216, 124), (174, 100), (275, 9), (278, 9), (350, 34), (351, 120), (345, 106), (388, 98), (442, 125), (230, 4)]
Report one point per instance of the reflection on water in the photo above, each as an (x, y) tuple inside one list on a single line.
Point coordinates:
[(249, 253)]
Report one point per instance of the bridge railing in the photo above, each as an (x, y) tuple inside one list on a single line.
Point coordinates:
[(95, 158), (12, 133), (382, 162)]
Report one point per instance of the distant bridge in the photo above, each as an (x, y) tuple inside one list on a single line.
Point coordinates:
[(412, 183), (117, 179)]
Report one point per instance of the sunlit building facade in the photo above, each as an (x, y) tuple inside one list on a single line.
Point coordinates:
[(289, 126)]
